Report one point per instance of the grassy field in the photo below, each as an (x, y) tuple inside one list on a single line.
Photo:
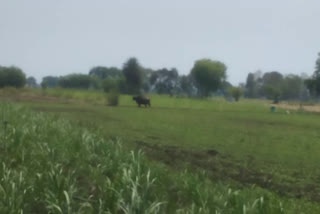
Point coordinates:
[(243, 145)]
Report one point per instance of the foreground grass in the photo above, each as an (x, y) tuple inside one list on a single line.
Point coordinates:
[(279, 151), (50, 166)]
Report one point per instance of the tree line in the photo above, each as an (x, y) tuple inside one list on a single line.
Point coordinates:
[(206, 78), (274, 85)]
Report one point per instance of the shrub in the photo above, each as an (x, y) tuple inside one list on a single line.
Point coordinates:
[(113, 98), (235, 92)]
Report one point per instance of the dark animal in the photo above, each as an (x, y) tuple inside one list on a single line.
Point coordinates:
[(140, 100)]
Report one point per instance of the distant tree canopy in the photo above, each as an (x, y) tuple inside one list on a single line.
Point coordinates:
[(235, 92), (165, 81), (205, 78), (50, 81), (208, 75), (12, 76), (272, 82), (31, 82), (133, 74), (77, 81), (105, 72), (313, 83), (251, 86), (317, 71), (273, 78), (186, 85), (292, 87), (273, 85), (112, 84)]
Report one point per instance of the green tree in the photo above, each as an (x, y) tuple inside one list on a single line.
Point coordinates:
[(251, 86), (110, 84), (272, 92), (50, 81), (105, 72), (292, 87), (165, 81), (186, 85), (317, 71), (77, 81), (208, 75), (12, 76), (273, 78), (133, 73), (313, 84), (44, 85), (272, 85), (31, 82), (235, 92)]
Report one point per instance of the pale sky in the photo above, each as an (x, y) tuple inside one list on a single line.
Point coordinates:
[(58, 37)]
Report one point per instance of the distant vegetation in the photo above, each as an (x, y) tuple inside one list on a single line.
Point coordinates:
[(206, 78), (313, 84), (12, 76)]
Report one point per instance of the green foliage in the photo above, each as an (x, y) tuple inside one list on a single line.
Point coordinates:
[(186, 84), (251, 86), (50, 81), (44, 85), (317, 71), (77, 81), (12, 76), (208, 75), (105, 72), (272, 84), (235, 92), (313, 84), (133, 73), (272, 92), (31, 82), (165, 81), (273, 78), (52, 166), (292, 87), (109, 84), (113, 97)]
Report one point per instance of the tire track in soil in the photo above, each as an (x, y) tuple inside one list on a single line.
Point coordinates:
[(221, 167)]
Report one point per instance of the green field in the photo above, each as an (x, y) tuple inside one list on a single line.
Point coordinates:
[(222, 145)]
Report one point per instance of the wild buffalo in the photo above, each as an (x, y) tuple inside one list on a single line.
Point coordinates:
[(140, 100)]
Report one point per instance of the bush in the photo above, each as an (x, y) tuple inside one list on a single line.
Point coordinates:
[(113, 98), (235, 92)]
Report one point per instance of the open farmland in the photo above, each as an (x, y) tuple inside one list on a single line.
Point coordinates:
[(243, 145)]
